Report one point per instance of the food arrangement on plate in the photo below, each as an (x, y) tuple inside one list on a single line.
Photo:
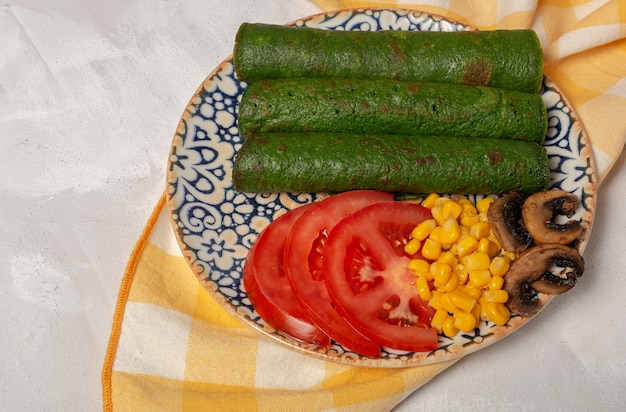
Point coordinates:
[(382, 187)]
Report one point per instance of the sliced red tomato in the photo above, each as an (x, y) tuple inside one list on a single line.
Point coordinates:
[(268, 289), (303, 263), (368, 280)]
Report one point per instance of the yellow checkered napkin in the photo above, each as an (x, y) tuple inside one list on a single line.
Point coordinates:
[(174, 348)]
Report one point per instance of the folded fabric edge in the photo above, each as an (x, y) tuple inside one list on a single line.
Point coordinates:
[(118, 314)]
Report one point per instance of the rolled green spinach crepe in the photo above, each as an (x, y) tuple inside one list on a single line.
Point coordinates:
[(389, 106), (338, 162), (508, 59)]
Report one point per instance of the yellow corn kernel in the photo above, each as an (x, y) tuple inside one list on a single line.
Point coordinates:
[(437, 215), (483, 204), (462, 300), (451, 210), (469, 216), (438, 319), (448, 257), (482, 303), (462, 200), (467, 205), (419, 266), (412, 246), (435, 301), (430, 200), (441, 201), (466, 246), (496, 282), (477, 261), (431, 249), (464, 232), (479, 278), (480, 230), (487, 246), (423, 288), (476, 312), (473, 291), (494, 239), (435, 234), (422, 230), (449, 286), (499, 266), (452, 249), (446, 304), (448, 328), (450, 231), (496, 295), (463, 321), (498, 313), (440, 272), (461, 272), (511, 256)]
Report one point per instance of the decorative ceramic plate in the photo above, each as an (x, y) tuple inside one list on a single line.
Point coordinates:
[(215, 225)]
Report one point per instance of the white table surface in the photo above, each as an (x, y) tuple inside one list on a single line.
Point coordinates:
[(90, 96)]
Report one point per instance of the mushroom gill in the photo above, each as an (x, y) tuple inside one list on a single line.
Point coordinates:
[(533, 273), (540, 210), (505, 219)]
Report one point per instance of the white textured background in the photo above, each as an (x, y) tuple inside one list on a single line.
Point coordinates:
[(90, 96)]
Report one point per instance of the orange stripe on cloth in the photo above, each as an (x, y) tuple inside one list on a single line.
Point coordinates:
[(122, 298)]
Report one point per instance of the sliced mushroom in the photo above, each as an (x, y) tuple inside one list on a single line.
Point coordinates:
[(539, 212), (533, 273), (505, 219)]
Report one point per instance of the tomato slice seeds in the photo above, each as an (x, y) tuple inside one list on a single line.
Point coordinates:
[(367, 276)]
